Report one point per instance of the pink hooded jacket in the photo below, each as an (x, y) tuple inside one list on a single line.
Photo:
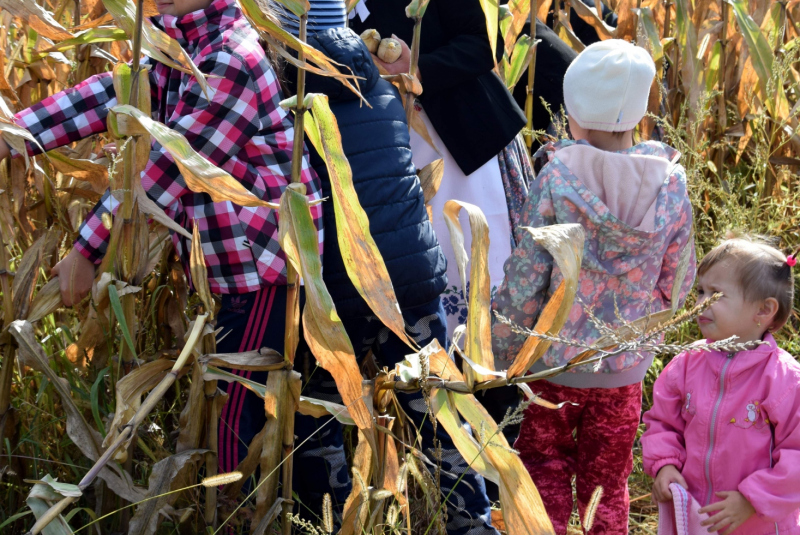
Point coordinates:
[(732, 422)]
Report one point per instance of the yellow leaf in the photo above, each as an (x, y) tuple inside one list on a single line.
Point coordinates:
[(523, 510), (325, 66), (35, 15), (362, 259), (479, 323), (324, 331), (93, 173), (430, 178), (199, 174), (155, 43), (490, 10), (197, 266), (565, 244)]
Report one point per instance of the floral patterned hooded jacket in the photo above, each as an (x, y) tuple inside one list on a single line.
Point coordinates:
[(635, 211)]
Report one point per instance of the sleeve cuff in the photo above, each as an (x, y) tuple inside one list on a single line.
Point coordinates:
[(93, 256), (658, 465)]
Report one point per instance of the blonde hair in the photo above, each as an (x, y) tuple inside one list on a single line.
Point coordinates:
[(761, 270)]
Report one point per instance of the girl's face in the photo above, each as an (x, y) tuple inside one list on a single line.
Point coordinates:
[(179, 8), (732, 315)]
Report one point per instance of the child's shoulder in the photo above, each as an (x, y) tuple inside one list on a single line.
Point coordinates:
[(687, 359), (787, 367)]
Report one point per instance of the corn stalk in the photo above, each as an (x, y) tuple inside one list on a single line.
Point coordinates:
[(531, 72), (415, 10), (7, 367), (722, 116), (129, 430)]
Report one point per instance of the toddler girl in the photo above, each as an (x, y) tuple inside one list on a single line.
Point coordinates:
[(726, 426), (631, 201)]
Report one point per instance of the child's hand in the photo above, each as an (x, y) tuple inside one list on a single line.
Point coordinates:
[(76, 277), (733, 511), (667, 475)]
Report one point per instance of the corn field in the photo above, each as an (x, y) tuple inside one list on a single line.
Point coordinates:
[(108, 409)]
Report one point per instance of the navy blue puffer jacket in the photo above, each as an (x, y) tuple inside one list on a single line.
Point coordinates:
[(376, 142)]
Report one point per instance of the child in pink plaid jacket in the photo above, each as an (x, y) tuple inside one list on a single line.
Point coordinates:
[(239, 127)]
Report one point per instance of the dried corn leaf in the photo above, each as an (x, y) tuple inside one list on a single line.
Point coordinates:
[(199, 174), (39, 500), (155, 43), (129, 392), (590, 17), (490, 11), (37, 17), (93, 173), (192, 420), (26, 277), (362, 259), (653, 33), (523, 510), (264, 359), (447, 416), (626, 20), (197, 265), (543, 10), (356, 507), (565, 244), (16, 136), (82, 435), (430, 178), (319, 408), (762, 58), (681, 271), (46, 301), (145, 520), (479, 324), (324, 331), (520, 11), (277, 393), (325, 66)]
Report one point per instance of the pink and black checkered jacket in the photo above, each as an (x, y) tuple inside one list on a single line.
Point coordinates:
[(240, 128)]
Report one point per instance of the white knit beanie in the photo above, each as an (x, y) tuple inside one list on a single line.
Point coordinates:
[(607, 86)]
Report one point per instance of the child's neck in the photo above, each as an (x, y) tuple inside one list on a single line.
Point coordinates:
[(609, 141)]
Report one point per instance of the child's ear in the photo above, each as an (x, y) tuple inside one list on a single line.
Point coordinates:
[(767, 311)]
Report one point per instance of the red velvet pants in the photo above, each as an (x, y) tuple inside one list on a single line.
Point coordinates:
[(599, 453)]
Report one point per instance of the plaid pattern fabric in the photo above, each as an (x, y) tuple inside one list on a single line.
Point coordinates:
[(239, 127)]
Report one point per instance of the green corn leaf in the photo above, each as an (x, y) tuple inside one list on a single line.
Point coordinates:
[(520, 59), (103, 34), (298, 7), (116, 304)]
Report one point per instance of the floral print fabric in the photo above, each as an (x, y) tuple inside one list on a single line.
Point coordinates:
[(623, 268)]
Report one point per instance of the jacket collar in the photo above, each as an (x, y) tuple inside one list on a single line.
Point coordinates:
[(744, 360), (190, 28)]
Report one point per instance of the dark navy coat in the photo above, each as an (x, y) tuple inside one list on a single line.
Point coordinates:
[(376, 143)]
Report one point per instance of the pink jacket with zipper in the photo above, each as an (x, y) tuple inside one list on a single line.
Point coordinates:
[(732, 422)]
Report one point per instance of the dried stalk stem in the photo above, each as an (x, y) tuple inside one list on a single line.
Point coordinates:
[(130, 428)]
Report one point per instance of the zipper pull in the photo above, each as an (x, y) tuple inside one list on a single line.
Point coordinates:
[(731, 354)]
